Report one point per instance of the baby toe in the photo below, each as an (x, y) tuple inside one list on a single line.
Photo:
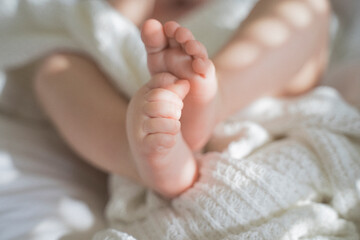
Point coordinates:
[(195, 49), (163, 95), (167, 82), (159, 142), (170, 30), (153, 36), (162, 80), (183, 35), (162, 110), (161, 125)]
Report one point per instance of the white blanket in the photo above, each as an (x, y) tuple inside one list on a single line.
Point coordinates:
[(292, 169), (30, 29)]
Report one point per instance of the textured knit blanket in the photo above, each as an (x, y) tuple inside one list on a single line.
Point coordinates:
[(285, 169), (291, 171)]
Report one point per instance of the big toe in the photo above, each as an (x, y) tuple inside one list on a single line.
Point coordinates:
[(196, 49), (153, 36), (182, 35), (170, 30)]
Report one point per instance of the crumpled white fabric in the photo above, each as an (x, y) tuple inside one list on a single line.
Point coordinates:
[(292, 171), (30, 29)]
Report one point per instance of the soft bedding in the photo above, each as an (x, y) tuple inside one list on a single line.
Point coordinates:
[(284, 169), (291, 171)]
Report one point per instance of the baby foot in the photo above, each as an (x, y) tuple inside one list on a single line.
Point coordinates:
[(172, 48), (163, 159)]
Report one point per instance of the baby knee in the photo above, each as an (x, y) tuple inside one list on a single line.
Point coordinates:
[(51, 66), (54, 64), (57, 66)]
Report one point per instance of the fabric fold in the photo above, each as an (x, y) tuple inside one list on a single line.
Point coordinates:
[(30, 29), (300, 182)]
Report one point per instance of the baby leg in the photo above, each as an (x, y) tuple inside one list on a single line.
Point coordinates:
[(86, 110)]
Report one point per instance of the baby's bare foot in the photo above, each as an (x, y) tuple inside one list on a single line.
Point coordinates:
[(163, 159), (172, 48)]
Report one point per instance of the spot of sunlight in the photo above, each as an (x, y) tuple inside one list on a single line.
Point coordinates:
[(304, 78), (59, 63), (297, 13), (319, 5), (76, 214), (308, 218), (50, 228), (268, 108), (299, 229), (254, 137), (242, 54), (8, 8), (271, 32), (2, 81), (8, 172)]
